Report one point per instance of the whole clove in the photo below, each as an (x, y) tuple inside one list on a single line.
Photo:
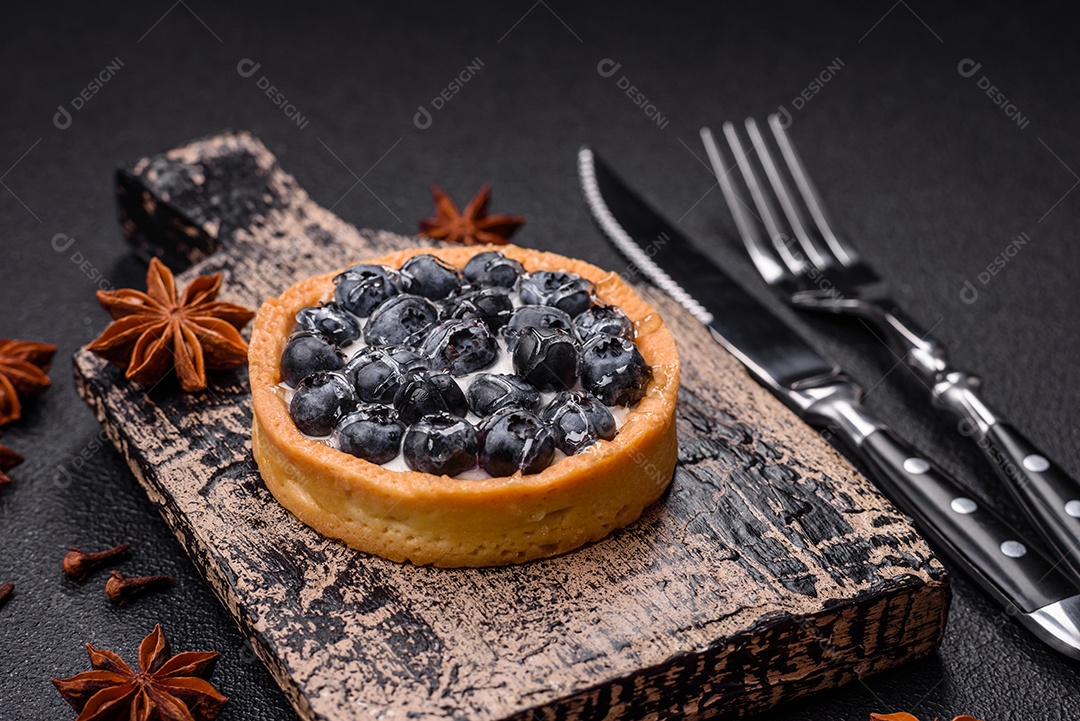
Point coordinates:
[(121, 589), (78, 564)]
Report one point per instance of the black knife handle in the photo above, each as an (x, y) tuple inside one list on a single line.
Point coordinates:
[(964, 527)]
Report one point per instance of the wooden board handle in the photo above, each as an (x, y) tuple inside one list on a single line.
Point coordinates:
[(184, 204)]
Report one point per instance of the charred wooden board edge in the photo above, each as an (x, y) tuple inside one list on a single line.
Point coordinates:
[(158, 220), (725, 694)]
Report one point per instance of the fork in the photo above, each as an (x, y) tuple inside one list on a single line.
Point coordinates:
[(810, 267)]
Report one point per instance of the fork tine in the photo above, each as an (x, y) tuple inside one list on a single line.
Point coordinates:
[(845, 254), (784, 197), (756, 246), (768, 215)]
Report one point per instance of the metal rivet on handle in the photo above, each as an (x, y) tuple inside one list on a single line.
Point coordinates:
[(1013, 549), (1073, 508), (1036, 463), (964, 505), (916, 466)]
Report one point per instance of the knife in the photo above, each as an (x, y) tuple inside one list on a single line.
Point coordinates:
[(1012, 570)]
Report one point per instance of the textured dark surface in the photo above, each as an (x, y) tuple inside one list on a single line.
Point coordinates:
[(770, 570), (917, 164)]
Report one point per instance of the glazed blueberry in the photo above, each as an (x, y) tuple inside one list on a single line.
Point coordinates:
[(378, 371), (400, 318), (490, 392), (371, 432), (566, 291), (613, 370), (362, 287), (494, 269), (320, 400), (536, 316), (603, 320), (460, 346), (578, 420), (515, 440), (440, 443), (331, 321), (306, 353), (430, 277), (423, 393), (548, 359), (491, 305)]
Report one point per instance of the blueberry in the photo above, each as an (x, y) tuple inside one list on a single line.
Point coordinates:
[(423, 393), (603, 320), (378, 371), (548, 359), (493, 268), (331, 321), (430, 277), (536, 316), (613, 370), (320, 400), (490, 392), (515, 440), (578, 420), (306, 353), (460, 346), (491, 305), (442, 444), (398, 319), (371, 432), (566, 291), (362, 287)]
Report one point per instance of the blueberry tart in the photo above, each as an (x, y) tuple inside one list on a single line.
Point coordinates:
[(465, 406)]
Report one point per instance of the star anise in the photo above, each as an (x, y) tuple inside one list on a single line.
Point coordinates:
[(472, 227), (155, 332), (901, 716), (8, 460), (164, 689), (23, 364)]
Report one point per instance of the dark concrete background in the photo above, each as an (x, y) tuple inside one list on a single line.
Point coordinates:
[(930, 177)]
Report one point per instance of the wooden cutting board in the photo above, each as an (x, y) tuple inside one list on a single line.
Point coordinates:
[(770, 570)]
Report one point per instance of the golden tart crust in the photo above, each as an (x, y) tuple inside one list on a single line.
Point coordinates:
[(420, 518)]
